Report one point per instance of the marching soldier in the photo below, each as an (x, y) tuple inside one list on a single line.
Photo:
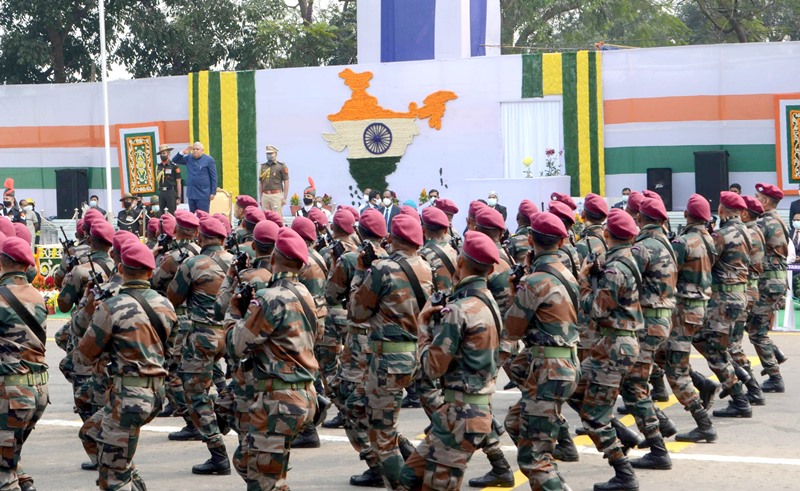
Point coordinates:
[(518, 243), (567, 252), (595, 212), (273, 178), (450, 209), (461, 346), (168, 179), (135, 329), (437, 251), (243, 202)]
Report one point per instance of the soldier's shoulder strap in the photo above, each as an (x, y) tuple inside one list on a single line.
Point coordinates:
[(154, 319), (191, 247), (220, 263), (637, 275), (104, 267), (412, 278), (23, 313), (546, 268), (309, 314), (667, 246), (443, 257), (483, 298), (572, 265), (319, 262)]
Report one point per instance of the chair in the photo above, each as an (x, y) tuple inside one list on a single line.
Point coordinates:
[(222, 203)]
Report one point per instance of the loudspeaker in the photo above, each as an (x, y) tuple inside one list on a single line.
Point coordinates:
[(711, 175), (660, 180), (72, 189)]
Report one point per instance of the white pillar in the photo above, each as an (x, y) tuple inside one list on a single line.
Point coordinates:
[(452, 29), (369, 31)]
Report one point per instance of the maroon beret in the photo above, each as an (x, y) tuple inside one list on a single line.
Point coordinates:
[(621, 225), (352, 211), (266, 232), (527, 208), (548, 224), (474, 206), (152, 226), (22, 232), (102, 230), (372, 221), (274, 217), (187, 220), (168, 226), (7, 227), (770, 190), (410, 211), (752, 204), (731, 200), (698, 207), (224, 221), (596, 205), (79, 226), (408, 229), (3, 237), (647, 193), (253, 215), (291, 245), (18, 250), (562, 211), (344, 219), (201, 214), (487, 217), (243, 201), (212, 228), (480, 248), (305, 228), (93, 213), (564, 198), (122, 237), (446, 206), (653, 208), (136, 255), (634, 200), (434, 217), (318, 217)]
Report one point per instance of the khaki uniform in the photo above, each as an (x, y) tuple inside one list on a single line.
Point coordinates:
[(270, 177)]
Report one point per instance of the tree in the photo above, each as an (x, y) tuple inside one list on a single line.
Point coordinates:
[(720, 21)]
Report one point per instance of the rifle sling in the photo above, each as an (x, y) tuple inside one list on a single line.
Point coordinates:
[(412, 278), (546, 268), (23, 314), (443, 257), (155, 320)]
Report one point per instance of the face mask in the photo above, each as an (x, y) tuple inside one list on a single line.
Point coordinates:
[(491, 201), (433, 199), (127, 204), (376, 201), (7, 204), (387, 201), (164, 158), (271, 157), (155, 208), (307, 201), (93, 203), (796, 224), (318, 204), (30, 208)]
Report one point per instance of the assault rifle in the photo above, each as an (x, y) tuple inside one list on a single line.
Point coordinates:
[(68, 244), (99, 292), (243, 289)]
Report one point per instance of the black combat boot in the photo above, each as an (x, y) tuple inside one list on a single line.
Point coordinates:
[(510, 385), (405, 446), (665, 425), (657, 458), (308, 438), (623, 410), (773, 384), (565, 449), (500, 476), (738, 407), (222, 422), (742, 374), (630, 438), (371, 478), (705, 428), (188, 432), (26, 483), (168, 411), (89, 466), (218, 463), (498, 426), (624, 478), (336, 422), (754, 394), (659, 392), (779, 356), (707, 388)]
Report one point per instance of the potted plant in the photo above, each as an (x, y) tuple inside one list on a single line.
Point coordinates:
[(294, 204), (527, 162), (423, 197), (326, 202)]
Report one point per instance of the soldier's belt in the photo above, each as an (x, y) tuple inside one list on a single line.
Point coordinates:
[(131, 381), (28, 379), (207, 325), (181, 310), (270, 384), (657, 313), (753, 283), (607, 331), (169, 188), (773, 275), (741, 288), (393, 346), (693, 302), (271, 191), (451, 396), (357, 330), (551, 351)]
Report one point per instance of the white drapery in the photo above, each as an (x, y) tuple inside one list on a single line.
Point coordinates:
[(529, 129)]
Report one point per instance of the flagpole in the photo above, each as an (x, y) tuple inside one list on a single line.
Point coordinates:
[(104, 82)]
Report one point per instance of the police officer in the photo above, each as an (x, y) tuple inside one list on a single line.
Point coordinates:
[(23, 368), (273, 178), (278, 335), (168, 179), (461, 345)]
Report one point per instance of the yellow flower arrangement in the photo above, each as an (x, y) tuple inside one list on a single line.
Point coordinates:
[(294, 200), (527, 162)]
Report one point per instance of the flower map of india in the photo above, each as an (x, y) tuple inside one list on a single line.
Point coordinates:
[(376, 138)]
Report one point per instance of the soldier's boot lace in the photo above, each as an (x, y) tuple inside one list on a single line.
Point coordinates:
[(659, 392), (371, 478), (754, 394), (705, 428), (218, 464), (657, 458), (335, 422), (188, 432), (308, 438), (773, 384), (707, 388), (624, 478), (565, 449), (629, 438), (500, 476), (738, 407)]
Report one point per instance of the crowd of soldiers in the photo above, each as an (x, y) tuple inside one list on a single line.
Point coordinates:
[(260, 327)]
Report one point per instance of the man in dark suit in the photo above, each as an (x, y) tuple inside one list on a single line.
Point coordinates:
[(373, 201), (492, 202), (388, 209), (794, 209)]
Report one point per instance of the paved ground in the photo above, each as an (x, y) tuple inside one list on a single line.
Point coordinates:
[(757, 453)]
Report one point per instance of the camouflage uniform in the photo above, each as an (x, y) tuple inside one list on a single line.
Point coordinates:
[(656, 261), (23, 371), (771, 290), (547, 371), (313, 277), (592, 241), (442, 272), (279, 339), (618, 315), (197, 282), (694, 251), (120, 328), (728, 301), (386, 300), (462, 351), (755, 271), (518, 244)]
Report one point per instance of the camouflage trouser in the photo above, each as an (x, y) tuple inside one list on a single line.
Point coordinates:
[(276, 418), (240, 393), (636, 385), (20, 408), (760, 319), (533, 423), (175, 393), (388, 375), (724, 309), (686, 323), (457, 430), (329, 348), (128, 409), (735, 348), (601, 377), (354, 416), (204, 345), (80, 393)]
